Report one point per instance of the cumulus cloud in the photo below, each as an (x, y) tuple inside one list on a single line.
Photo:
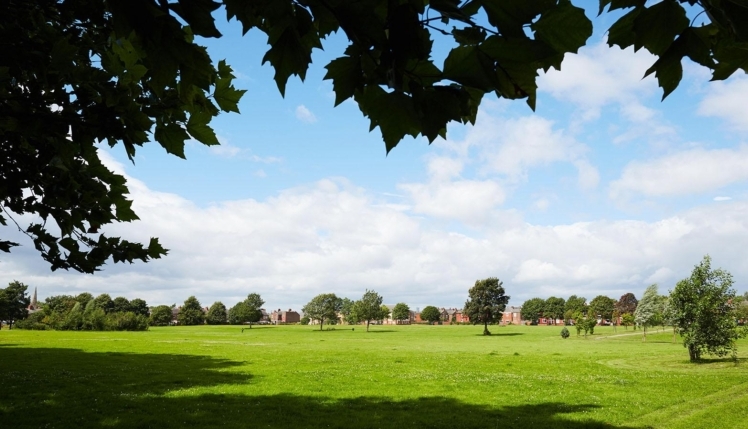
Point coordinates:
[(726, 100), (305, 115), (683, 173)]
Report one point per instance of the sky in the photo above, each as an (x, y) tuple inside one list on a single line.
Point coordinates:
[(604, 189)]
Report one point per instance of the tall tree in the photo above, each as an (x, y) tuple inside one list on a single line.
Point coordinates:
[(486, 302), (703, 311), (648, 309), (254, 305), (401, 312), (368, 308), (603, 307), (14, 302), (322, 307), (84, 298), (430, 314), (627, 303), (125, 72), (217, 314), (554, 308), (191, 312), (532, 310)]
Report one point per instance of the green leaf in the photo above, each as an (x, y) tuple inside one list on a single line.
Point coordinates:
[(6, 245), (172, 136), (467, 65), (469, 35), (392, 112), (620, 4), (565, 28), (197, 13), (346, 75), (198, 128), (668, 70), (227, 97), (656, 27), (621, 33), (510, 16)]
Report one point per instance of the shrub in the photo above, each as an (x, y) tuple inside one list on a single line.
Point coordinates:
[(33, 322), (564, 333), (127, 321)]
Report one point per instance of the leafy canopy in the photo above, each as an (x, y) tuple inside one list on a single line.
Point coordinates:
[(369, 308), (323, 307), (76, 74), (430, 314), (486, 302), (702, 307)]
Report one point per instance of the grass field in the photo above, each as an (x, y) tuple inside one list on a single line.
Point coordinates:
[(391, 377)]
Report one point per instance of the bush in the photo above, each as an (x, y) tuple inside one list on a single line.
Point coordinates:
[(304, 320), (33, 322), (127, 321), (564, 333)]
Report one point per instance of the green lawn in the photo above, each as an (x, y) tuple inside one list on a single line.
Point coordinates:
[(392, 377)]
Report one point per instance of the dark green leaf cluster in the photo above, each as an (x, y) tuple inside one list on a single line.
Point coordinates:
[(430, 314), (191, 313), (486, 303), (369, 308), (663, 28), (401, 312), (217, 314), (80, 73), (85, 313)]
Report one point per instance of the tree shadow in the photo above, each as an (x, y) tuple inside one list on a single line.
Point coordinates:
[(500, 334), (47, 387)]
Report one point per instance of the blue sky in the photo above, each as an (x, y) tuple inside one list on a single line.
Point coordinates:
[(603, 190)]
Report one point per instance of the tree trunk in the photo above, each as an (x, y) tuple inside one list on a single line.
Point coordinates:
[(367, 326), (693, 353), (644, 329), (673, 333), (321, 322), (485, 329)]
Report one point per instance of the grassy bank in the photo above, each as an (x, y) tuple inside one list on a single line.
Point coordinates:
[(410, 376)]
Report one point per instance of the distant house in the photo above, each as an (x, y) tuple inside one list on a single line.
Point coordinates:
[(454, 315), (512, 315), (279, 317)]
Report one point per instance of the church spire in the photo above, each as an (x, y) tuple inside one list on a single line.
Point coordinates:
[(33, 300)]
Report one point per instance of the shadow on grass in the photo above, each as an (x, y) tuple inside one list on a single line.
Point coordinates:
[(499, 334), (67, 388)]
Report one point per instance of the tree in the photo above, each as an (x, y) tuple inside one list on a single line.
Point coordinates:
[(554, 308), (125, 72), (703, 311), (161, 315), (564, 333), (532, 310), (104, 302), (431, 314), (14, 303), (191, 312), (575, 304), (627, 303), (121, 305), (627, 319), (401, 312), (254, 305), (321, 307), (486, 302), (216, 314), (346, 311), (368, 308), (648, 309), (139, 306), (384, 313), (603, 307), (84, 298)]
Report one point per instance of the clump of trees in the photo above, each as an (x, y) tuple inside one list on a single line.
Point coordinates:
[(85, 313), (430, 314), (247, 311), (13, 303)]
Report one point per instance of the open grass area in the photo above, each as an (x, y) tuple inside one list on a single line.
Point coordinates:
[(391, 377)]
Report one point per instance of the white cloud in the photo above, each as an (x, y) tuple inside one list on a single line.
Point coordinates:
[(305, 115), (470, 201), (683, 173), (722, 198), (599, 76), (726, 100), (225, 150)]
